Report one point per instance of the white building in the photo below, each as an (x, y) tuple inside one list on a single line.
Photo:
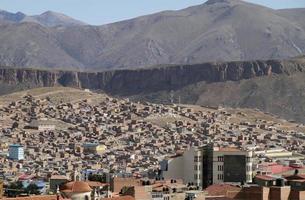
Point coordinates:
[(186, 167), (16, 152), (42, 125), (209, 165)]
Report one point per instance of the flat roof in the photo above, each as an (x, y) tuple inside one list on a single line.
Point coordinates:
[(15, 145)]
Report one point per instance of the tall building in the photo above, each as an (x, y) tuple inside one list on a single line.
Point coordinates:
[(232, 165), (16, 152), (186, 167), (1, 189), (209, 165)]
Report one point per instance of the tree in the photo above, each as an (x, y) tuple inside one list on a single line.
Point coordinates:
[(32, 189), (14, 189)]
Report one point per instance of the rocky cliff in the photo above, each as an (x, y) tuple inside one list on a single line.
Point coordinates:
[(131, 82), (272, 86)]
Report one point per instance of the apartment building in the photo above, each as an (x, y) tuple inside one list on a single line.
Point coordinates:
[(186, 166), (232, 165), (16, 152), (209, 165)]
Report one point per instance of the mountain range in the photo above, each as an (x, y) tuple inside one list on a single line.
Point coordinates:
[(218, 30), (48, 19)]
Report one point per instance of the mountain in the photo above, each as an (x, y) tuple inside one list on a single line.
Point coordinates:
[(11, 17), (296, 15), (52, 19), (218, 30), (47, 19), (275, 86)]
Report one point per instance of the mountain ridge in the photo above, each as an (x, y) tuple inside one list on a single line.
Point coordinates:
[(274, 86), (47, 19), (213, 31)]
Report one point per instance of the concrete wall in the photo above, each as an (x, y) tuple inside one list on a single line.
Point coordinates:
[(81, 196), (174, 169), (182, 167), (279, 193), (118, 183)]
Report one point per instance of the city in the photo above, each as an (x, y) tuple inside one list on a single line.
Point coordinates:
[(152, 100), (49, 138)]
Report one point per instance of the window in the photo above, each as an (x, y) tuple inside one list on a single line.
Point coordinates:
[(220, 168), (196, 167), (220, 158), (197, 158), (220, 176)]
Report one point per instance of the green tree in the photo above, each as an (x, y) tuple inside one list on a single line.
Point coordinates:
[(32, 189), (14, 189)]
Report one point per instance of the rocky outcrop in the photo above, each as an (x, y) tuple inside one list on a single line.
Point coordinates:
[(130, 82)]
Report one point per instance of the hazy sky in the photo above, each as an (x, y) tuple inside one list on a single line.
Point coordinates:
[(105, 11)]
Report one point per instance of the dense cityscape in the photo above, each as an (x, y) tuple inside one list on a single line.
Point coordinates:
[(110, 145), (152, 100)]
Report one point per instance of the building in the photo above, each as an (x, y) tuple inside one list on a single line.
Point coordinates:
[(186, 166), (209, 165), (57, 181), (16, 152), (117, 183), (93, 148), (254, 192), (77, 190), (232, 165), (1, 189), (42, 125)]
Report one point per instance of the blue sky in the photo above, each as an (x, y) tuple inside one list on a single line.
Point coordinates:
[(99, 12)]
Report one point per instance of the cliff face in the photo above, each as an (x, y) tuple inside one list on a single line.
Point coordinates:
[(131, 82)]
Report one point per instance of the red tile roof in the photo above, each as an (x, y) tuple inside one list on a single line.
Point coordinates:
[(76, 187), (221, 189), (218, 198), (38, 197), (295, 177), (96, 184), (120, 198), (276, 168), (265, 177)]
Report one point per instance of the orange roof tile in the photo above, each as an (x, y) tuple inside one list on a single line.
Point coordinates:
[(76, 187), (265, 177), (120, 198), (96, 184), (38, 197), (221, 189)]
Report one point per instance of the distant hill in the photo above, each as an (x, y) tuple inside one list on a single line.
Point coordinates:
[(218, 30), (48, 19), (275, 86)]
